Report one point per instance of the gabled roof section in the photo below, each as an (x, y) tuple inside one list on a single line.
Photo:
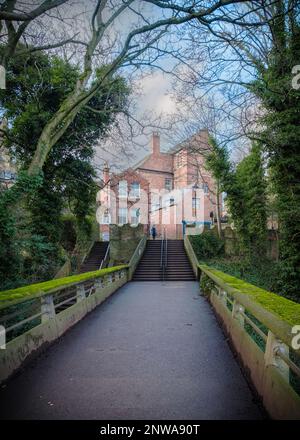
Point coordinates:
[(198, 141), (129, 172), (141, 162)]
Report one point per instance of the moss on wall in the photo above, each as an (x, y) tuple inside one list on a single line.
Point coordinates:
[(284, 308), (39, 288)]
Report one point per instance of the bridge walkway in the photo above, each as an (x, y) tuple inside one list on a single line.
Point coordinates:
[(152, 351)]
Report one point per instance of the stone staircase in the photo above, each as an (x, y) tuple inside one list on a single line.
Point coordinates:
[(149, 266), (178, 267), (96, 255)]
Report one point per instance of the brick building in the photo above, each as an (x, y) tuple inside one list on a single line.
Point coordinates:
[(171, 190)]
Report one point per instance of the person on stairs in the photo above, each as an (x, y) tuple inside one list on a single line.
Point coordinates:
[(153, 232)]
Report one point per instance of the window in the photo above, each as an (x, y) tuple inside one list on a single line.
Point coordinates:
[(205, 188), (122, 216), (106, 218), (135, 190), (168, 184), (123, 188), (196, 203), (195, 206), (155, 206), (134, 216)]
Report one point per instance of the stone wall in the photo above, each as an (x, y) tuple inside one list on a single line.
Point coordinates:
[(123, 241), (232, 246)]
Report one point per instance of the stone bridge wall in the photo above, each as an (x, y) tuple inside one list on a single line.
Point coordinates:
[(123, 242)]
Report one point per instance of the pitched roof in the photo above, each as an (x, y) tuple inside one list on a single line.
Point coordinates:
[(192, 141), (188, 143), (141, 162)]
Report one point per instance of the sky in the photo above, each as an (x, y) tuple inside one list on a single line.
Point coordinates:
[(153, 94), (155, 98)]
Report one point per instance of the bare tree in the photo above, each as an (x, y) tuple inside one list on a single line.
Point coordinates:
[(138, 46), (16, 25)]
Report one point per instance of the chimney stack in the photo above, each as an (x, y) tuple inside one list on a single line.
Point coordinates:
[(106, 173), (155, 143)]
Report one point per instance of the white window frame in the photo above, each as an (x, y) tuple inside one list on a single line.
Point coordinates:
[(106, 218), (136, 216), (155, 206), (135, 192), (123, 189), (168, 187), (196, 202), (122, 216)]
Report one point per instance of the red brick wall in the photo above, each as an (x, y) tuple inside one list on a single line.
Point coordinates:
[(182, 168)]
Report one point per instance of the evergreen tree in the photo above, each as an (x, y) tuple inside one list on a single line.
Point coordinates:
[(36, 86)]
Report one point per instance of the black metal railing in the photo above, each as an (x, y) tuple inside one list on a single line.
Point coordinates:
[(164, 254)]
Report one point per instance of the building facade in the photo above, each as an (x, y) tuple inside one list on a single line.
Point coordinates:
[(171, 190)]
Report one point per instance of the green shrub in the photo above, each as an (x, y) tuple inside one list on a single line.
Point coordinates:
[(207, 245), (206, 284)]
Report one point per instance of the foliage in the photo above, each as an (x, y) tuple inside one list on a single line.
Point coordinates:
[(37, 84), (206, 284), (281, 137), (261, 273), (11, 249), (68, 236), (245, 190), (207, 245), (251, 180), (218, 163)]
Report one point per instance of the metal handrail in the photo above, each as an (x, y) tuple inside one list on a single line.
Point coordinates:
[(166, 246), (105, 256), (137, 249), (161, 251)]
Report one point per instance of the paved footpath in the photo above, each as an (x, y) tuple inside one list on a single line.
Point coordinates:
[(152, 351)]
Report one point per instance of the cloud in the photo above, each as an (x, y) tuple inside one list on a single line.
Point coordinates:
[(156, 96)]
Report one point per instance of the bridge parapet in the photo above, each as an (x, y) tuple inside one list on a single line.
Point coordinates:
[(260, 326), (137, 255), (34, 316)]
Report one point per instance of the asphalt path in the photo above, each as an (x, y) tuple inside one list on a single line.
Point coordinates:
[(152, 351)]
